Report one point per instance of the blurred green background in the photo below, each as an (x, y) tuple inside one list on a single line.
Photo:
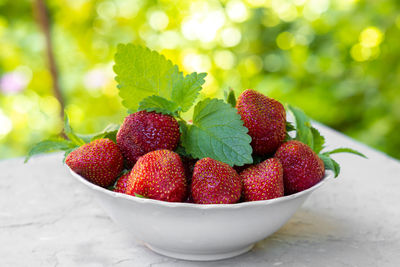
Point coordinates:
[(338, 60)]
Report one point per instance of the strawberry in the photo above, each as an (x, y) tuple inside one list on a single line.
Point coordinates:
[(265, 118), (99, 161), (215, 182), (143, 131), (302, 168), (263, 181), (122, 183), (159, 175)]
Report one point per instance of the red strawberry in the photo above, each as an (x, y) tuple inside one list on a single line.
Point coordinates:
[(159, 175), (302, 168), (99, 161), (215, 182), (143, 131), (266, 120), (122, 183), (263, 181)]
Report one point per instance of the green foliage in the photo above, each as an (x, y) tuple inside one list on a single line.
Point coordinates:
[(139, 196), (50, 146), (148, 81), (303, 127), (70, 134), (186, 89), (318, 140), (345, 150), (158, 104), (75, 140), (330, 164), (312, 137), (142, 73), (290, 127), (230, 97), (217, 132), (109, 132)]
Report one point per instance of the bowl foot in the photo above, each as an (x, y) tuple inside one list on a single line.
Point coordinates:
[(201, 256)]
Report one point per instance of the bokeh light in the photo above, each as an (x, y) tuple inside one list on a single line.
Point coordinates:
[(338, 60)]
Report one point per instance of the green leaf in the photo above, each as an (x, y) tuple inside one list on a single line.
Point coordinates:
[(69, 132), (258, 159), (86, 137), (230, 97), (182, 152), (142, 73), (330, 164), (159, 105), (109, 132), (217, 132), (138, 195), (336, 167), (345, 150), (49, 146), (186, 89), (318, 140), (290, 127), (303, 126)]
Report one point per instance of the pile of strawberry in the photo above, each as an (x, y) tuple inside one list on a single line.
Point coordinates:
[(230, 152)]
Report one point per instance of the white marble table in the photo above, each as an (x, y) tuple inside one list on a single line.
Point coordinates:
[(47, 219)]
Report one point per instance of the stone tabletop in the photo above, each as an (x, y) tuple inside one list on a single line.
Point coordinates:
[(47, 219)]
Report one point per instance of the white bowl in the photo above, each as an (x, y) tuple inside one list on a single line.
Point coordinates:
[(198, 232)]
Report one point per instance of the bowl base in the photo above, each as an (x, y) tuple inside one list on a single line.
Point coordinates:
[(200, 257)]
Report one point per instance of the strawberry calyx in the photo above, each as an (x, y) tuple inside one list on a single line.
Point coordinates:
[(310, 136), (72, 142)]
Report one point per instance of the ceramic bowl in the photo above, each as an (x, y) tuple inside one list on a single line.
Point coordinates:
[(198, 232)]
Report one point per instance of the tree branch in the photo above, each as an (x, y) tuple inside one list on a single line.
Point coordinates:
[(42, 17)]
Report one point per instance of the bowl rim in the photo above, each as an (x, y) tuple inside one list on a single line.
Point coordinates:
[(328, 175)]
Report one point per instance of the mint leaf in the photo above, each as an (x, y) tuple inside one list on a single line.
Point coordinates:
[(336, 168), (230, 97), (330, 164), (85, 137), (290, 127), (186, 89), (140, 196), (303, 126), (159, 105), (142, 73), (109, 132), (217, 132), (70, 134), (182, 152), (345, 150), (318, 140), (49, 146)]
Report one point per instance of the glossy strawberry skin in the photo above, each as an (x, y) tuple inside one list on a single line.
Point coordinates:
[(159, 175), (122, 183), (302, 168), (143, 132), (215, 182), (263, 181), (266, 120), (99, 161)]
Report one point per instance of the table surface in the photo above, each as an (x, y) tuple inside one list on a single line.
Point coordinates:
[(47, 219)]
